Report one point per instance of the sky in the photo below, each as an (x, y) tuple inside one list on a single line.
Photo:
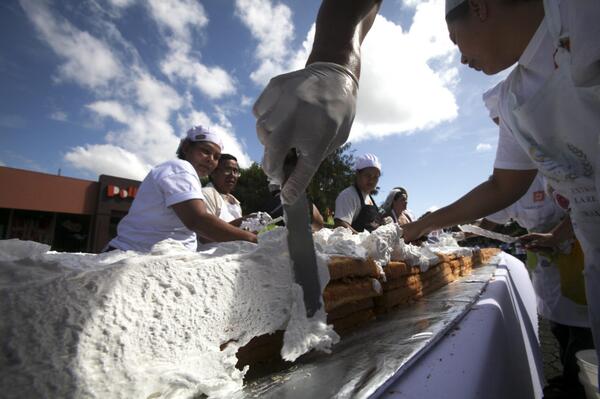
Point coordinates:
[(93, 87)]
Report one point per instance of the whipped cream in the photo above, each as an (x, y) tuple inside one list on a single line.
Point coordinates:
[(164, 324)]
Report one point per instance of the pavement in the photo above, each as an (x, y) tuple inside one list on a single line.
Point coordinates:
[(550, 356)]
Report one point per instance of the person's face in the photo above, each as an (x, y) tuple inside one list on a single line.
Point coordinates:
[(203, 155), (367, 179), (480, 42), (400, 203), (225, 176)]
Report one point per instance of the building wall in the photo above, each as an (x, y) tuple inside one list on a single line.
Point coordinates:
[(68, 214), (23, 189)]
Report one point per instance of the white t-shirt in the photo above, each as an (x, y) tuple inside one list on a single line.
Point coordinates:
[(225, 206), (534, 211), (537, 212), (530, 74), (151, 218), (347, 204)]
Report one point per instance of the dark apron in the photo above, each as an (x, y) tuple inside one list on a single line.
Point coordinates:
[(368, 218)]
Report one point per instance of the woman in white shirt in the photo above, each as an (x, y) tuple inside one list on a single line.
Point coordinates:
[(170, 203)]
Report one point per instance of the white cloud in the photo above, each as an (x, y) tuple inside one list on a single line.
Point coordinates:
[(214, 82), (406, 77), (59, 116), (108, 159), (271, 24), (432, 208), (111, 109), (142, 105), (179, 17), (178, 20), (483, 147), (121, 3), (87, 60)]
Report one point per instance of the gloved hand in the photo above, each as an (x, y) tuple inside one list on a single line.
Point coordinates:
[(310, 110)]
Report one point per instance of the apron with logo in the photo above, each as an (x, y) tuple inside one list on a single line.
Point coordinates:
[(559, 127)]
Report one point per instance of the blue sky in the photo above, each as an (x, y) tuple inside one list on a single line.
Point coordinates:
[(108, 86)]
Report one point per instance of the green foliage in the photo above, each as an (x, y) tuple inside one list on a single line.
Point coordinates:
[(335, 174), (252, 189)]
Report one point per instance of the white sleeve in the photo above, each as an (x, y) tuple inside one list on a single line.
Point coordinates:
[(179, 187), (501, 217), (510, 154), (347, 206)]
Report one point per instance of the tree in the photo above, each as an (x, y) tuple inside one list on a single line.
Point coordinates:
[(335, 174), (252, 189)]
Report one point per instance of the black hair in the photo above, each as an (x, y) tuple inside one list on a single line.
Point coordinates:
[(222, 158), (179, 152), (227, 157), (458, 12), (461, 10)]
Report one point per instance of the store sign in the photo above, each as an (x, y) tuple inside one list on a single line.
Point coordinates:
[(116, 191)]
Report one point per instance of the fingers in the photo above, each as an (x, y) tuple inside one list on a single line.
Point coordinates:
[(272, 163)]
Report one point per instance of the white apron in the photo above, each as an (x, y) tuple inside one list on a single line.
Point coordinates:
[(559, 127), (229, 211)]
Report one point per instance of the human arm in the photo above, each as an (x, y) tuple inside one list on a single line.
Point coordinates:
[(539, 242), (312, 110), (194, 216), (340, 223), (317, 219), (502, 189)]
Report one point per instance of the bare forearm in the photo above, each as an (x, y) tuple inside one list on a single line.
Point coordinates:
[(341, 27), (341, 223), (564, 230), (500, 191), (217, 230)]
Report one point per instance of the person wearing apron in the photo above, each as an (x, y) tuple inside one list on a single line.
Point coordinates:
[(549, 108), (556, 271), (355, 208)]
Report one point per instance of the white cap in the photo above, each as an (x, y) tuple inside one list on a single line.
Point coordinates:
[(200, 133), (490, 99), (452, 4), (367, 161)]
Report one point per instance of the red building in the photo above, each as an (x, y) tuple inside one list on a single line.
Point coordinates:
[(70, 215)]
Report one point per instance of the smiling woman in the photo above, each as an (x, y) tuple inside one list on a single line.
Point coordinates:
[(219, 200), (170, 203)]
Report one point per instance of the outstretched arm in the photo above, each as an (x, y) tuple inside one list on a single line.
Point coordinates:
[(311, 110), (341, 27), (194, 216), (502, 189)]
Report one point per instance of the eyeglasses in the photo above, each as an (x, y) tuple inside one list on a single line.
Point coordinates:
[(231, 172)]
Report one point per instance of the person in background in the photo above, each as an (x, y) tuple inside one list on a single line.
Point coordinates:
[(549, 111), (556, 263), (355, 208), (217, 194), (170, 203), (395, 206)]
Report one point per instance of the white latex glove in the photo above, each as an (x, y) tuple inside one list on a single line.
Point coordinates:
[(310, 110)]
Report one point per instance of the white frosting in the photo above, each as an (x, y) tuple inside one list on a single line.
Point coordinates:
[(125, 324)]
